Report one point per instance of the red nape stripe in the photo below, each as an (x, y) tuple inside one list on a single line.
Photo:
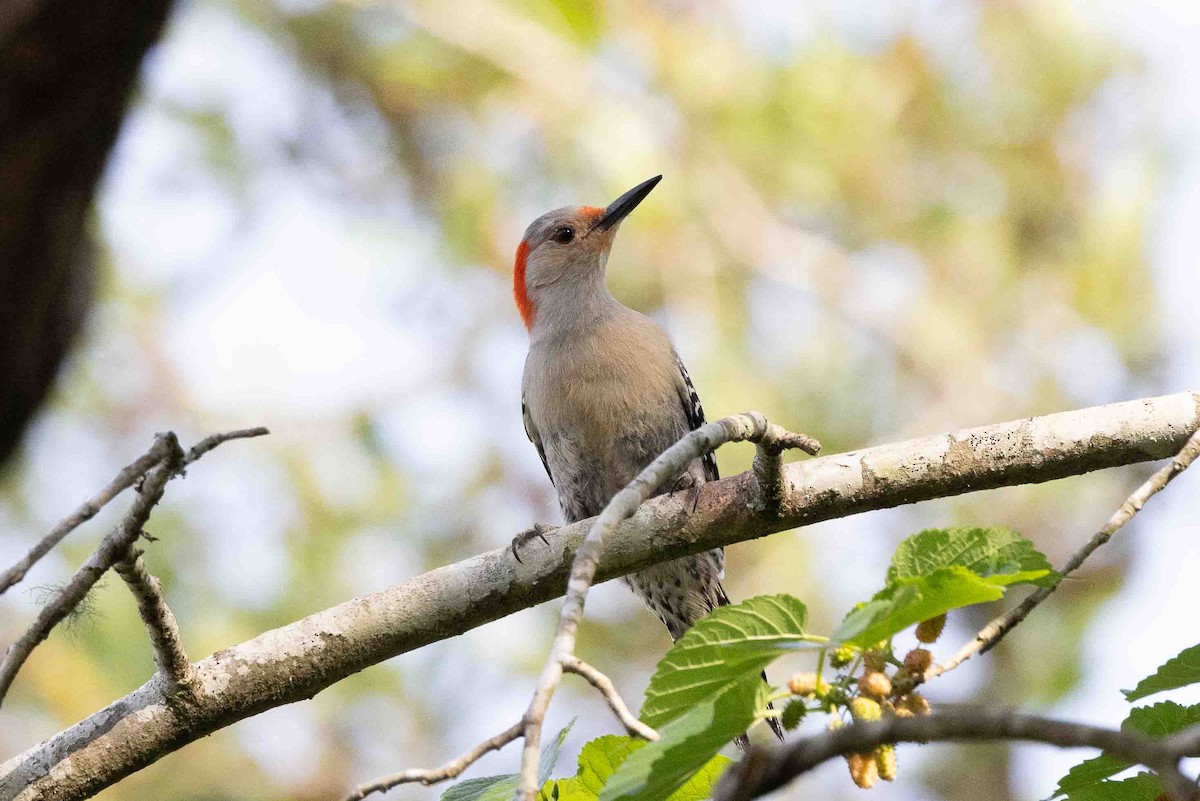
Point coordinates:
[(524, 304)]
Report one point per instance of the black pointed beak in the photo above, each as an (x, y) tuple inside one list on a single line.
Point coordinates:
[(619, 209)]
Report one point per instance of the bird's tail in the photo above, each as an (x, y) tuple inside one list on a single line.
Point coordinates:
[(743, 741)]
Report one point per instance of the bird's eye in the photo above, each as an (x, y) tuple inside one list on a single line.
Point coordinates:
[(563, 235)]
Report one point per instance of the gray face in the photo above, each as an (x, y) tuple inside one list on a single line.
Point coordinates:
[(563, 242), (560, 263)]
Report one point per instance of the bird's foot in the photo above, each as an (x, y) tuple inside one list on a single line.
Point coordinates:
[(688, 482), (536, 531)]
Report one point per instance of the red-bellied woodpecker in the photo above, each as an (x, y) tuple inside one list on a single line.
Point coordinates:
[(604, 393)]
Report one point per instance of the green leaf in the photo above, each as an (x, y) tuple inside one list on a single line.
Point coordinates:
[(998, 554), (659, 769), (485, 788), (728, 645), (700, 787), (909, 600), (1142, 787), (1156, 720), (1089, 772), (503, 788), (601, 757), (1165, 717), (1179, 671)]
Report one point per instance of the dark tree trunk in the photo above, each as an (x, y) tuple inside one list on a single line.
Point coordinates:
[(66, 74)]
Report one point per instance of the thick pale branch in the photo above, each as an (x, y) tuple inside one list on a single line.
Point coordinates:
[(297, 661), (763, 770)]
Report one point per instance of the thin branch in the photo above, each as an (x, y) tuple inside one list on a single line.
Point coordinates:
[(161, 626), (764, 770), (750, 426), (117, 547), (128, 476), (617, 704), (995, 631), (447, 771), (296, 661), (113, 548), (213, 440), (125, 479)]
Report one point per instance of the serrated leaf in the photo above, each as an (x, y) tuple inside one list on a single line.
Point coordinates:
[(700, 787), (1165, 717), (484, 788), (600, 758), (726, 646), (1089, 772), (659, 769), (1156, 720), (1000, 555), (909, 600), (1142, 787), (1179, 671), (502, 788), (565, 790)]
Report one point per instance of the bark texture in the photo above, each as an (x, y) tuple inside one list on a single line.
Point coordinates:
[(299, 660)]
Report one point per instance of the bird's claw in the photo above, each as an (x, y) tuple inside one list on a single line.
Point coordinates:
[(536, 531), (689, 483)]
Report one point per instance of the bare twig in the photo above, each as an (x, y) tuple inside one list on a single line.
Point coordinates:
[(294, 662), (113, 548), (169, 656), (995, 631), (447, 771), (213, 440), (750, 426), (123, 480), (604, 684), (765, 770), (160, 464)]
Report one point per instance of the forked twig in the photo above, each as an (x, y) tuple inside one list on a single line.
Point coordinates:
[(154, 469), (994, 631)]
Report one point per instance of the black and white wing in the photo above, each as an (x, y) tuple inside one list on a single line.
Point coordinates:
[(531, 432), (694, 413)]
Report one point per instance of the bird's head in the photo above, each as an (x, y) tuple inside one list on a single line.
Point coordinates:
[(568, 246)]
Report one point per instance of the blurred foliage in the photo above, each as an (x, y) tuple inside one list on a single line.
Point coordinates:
[(926, 217)]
